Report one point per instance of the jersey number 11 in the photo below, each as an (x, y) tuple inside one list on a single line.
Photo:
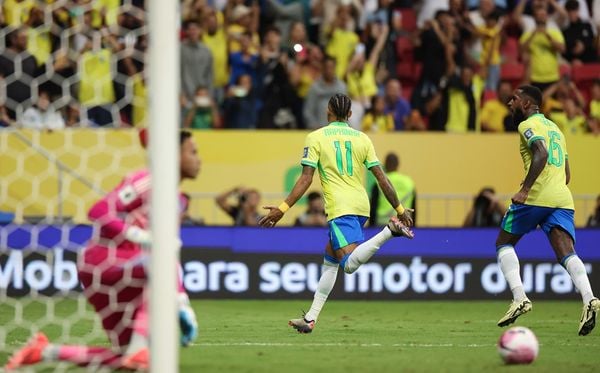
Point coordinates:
[(338, 157)]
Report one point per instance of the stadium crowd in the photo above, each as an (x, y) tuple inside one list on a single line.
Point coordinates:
[(438, 65)]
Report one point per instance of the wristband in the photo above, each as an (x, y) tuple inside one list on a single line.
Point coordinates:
[(283, 207), (400, 209)]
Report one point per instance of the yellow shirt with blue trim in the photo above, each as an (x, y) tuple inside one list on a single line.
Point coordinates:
[(550, 188), (338, 152)]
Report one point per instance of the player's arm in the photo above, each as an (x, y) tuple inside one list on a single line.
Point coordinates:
[(108, 210), (539, 157), (301, 186), (390, 194)]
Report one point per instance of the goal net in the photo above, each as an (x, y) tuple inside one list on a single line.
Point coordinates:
[(68, 64)]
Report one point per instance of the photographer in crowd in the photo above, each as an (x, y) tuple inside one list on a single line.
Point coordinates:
[(241, 204)]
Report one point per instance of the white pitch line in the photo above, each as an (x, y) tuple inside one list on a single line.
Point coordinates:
[(272, 344), (371, 345)]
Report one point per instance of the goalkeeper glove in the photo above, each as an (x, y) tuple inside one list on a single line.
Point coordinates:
[(138, 235), (187, 321)]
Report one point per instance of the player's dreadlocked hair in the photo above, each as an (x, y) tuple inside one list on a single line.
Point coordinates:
[(339, 105)]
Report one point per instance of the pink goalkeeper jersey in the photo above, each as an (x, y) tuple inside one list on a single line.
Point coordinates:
[(126, 205)]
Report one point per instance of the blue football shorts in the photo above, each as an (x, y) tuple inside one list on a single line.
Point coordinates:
[(345, 230), (521, 219)]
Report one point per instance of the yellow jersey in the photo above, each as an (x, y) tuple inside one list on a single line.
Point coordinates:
[(490, 44), (337, 151), (550, 188), (341, 47), (96, 83), (544, 59)]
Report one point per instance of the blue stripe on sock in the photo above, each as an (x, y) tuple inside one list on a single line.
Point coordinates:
[(331, 259), (343, 261), (563, 261)]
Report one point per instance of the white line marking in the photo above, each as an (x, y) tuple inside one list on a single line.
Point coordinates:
[(370, 345)]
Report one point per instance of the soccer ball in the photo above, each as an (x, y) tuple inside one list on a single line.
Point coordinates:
[(518, 345)]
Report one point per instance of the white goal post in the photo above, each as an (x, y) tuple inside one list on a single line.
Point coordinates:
[(163, 78)]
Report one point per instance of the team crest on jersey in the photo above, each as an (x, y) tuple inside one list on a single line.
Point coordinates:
[(127, 195), (305, 153), (528, 134)]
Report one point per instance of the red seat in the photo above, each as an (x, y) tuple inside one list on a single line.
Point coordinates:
[(404, 49), (513, 72), (409, 19), (586, 72), (565, 69), (409, 72), (510, 50)]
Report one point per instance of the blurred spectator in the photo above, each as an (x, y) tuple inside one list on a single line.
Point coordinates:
[(96, 89), (376, 120), (463, 101), (16, 58), (285, 14), (595, 106), (499, 3), (490, 34), (196, 63), (306, 69), (277, 97), (404, 186), (5, 120), (244, 61), (314, 216), (556, 95), (594, 219), (204, 113), (494, 111), (395, 104), (244, 211), (72, 115), (542, 47), (297, 45), (436, 50), (487, 210), (39, 44), (429, 10), (579, 37), (215, 39), (528, 23), (42, 115), (186, 218), (570, 119), (360, 76), (242, 19), (317, 99), (342, 40), (582, 8), (16, 11), (240, 104)]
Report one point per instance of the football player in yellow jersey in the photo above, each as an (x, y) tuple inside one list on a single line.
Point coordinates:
[(338, 152), (545, 200)]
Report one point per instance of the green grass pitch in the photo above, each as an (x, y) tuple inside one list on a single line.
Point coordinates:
[(354, 336)]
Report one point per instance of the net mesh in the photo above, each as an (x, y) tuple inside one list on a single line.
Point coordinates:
[(66, 64)]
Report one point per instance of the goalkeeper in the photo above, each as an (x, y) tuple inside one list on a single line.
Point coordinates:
[(113, 273)]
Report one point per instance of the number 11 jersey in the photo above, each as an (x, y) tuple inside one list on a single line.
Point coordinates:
[(338, 152)]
